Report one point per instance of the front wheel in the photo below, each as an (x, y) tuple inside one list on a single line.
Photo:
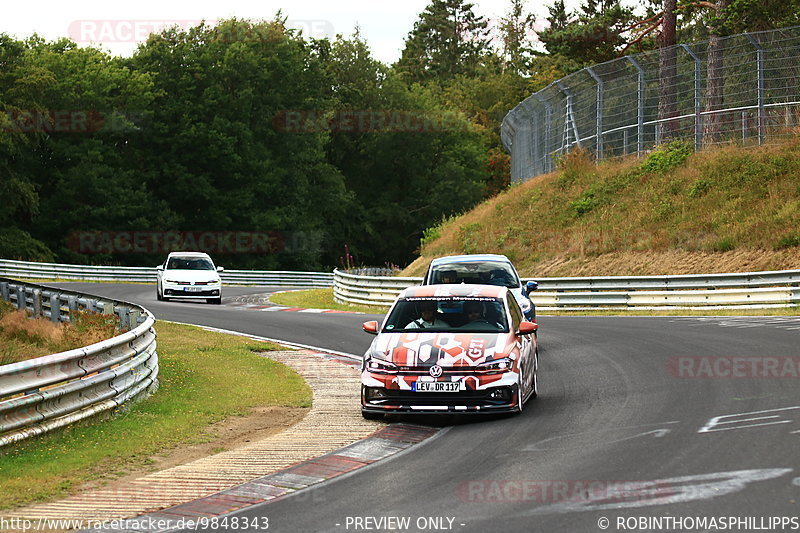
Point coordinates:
[(535, 384), (215, 301), (371, 416)]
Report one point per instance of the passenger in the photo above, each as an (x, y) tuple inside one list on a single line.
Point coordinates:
[(430, 318)]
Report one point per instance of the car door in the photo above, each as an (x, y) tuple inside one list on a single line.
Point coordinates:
[(525, 343)]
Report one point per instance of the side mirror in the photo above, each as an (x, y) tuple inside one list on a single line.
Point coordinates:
[(370, 327), (531, 286), (159, 267), (526, 328), (220, 269)]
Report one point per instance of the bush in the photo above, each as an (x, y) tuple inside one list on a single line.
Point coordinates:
[(667, 157)]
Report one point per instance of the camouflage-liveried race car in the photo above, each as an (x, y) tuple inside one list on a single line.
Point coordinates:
[(450, 349)]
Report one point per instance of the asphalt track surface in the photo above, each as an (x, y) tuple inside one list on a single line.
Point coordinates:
[(642, 424)]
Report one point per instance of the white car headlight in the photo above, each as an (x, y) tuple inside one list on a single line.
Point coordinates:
[(496, 364), (375, 361)]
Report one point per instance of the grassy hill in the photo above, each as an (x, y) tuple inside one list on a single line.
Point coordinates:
[(730, 209)]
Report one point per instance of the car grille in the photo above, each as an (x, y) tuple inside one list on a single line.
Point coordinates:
[(467, 397)]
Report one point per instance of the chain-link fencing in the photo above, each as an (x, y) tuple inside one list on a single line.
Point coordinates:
[(743, 89)]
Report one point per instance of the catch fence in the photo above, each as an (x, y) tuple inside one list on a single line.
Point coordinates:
[(743, 88)]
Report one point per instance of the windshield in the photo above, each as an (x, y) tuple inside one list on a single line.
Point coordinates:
[(479, 272), (443, 314), (189, 263)]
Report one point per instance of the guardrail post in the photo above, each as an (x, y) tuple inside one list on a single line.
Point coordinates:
[(4, 291), (124, 317), (72, 305), (133, 318), (21, 298), (37, 303), (55, 308)]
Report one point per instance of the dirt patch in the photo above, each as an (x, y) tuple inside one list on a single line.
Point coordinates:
[(225, 435)]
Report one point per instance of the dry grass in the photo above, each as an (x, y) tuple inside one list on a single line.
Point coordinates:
[(728, 209), (23, 338)]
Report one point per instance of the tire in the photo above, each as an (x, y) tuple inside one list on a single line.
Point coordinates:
[(371, 416), (535, 391), (215, 301), (158, 295)]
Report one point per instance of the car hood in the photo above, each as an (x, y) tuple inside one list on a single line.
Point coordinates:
[(444, 349), (191, 275)]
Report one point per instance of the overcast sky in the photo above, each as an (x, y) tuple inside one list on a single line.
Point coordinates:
[(118, 26)]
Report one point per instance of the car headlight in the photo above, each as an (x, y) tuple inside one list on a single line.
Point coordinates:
[(375, 362), (497, 364), (170, 281)]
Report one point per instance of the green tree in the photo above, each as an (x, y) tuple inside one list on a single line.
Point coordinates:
[(516, 29), (224, 150), (448, 39), (594, 34)]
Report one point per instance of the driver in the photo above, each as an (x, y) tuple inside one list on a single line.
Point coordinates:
[(429, 317), (473, 311)]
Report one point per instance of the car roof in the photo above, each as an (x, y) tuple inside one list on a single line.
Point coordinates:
[(188, 254), (469, 258), (455, 290)]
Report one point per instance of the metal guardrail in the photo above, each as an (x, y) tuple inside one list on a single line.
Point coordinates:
[(709, 291), (29, 270), (42, 394)]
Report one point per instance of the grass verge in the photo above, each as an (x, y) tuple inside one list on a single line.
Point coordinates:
[(321, 299), (204, 377), (22, 338)]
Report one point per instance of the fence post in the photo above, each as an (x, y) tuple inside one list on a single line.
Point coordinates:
[(698, 129), (599, 134), (548, 113), (744, 127), (761, 114), (639, 107), (569, 119)]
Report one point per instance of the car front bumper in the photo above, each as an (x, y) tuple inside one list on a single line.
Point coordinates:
[(387, 394)]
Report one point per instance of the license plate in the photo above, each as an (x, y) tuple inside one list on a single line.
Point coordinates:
[(436, 386), (193, 289)]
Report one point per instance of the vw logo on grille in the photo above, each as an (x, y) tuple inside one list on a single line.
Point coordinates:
[(435, 371)]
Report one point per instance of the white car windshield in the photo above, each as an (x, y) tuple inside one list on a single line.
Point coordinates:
[(444, 314), (478, 272), (189, 263)]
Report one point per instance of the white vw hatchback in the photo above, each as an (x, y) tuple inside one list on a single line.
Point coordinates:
[(189, 276)]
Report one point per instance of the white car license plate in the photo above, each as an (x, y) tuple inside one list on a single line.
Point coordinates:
[(193, 289), (437, 386)]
